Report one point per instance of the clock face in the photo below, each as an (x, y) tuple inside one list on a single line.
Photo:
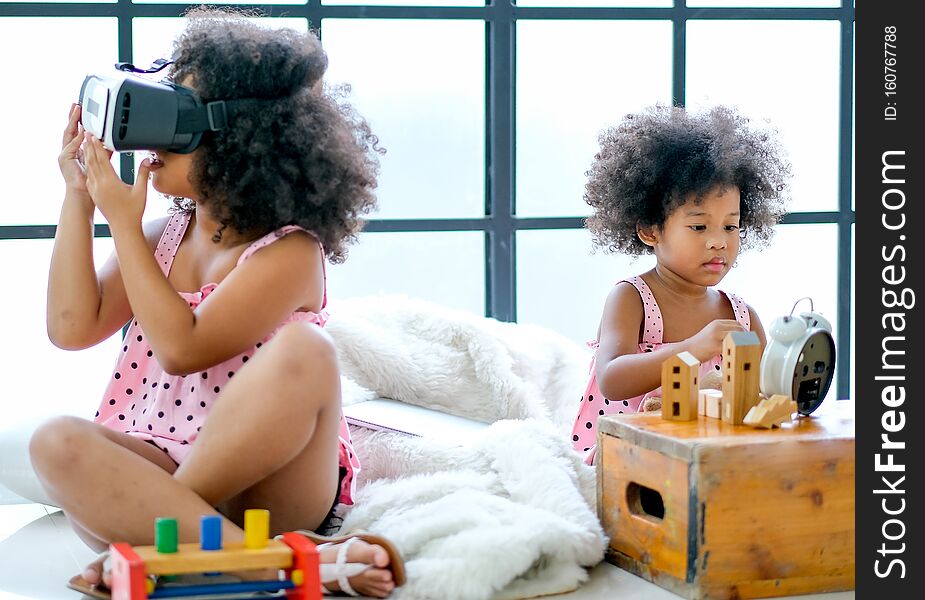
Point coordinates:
[(814, 371)]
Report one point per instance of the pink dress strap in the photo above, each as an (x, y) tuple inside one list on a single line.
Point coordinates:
[(653, 331), (740, 309), (170, 240)]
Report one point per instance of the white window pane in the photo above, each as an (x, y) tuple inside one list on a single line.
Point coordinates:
[(54, 80), (39, 379), (403, 2), (601, 3), (765, 73), (442, 267), (802, 261), (421, 86), (152, 38), (562, 285), (763, 3), (575, 78)]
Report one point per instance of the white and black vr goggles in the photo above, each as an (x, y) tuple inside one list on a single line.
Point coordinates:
[(127, 112)]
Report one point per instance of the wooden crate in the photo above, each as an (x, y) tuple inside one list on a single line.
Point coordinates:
[(707, 509)]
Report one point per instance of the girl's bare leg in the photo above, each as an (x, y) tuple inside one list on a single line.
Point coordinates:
[(269, 442), (272, 436)]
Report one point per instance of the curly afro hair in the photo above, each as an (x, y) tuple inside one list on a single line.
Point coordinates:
[(654, 161), (292, 153)]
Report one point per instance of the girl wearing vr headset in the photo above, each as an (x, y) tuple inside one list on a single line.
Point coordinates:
[(226, 391), (686, 188)]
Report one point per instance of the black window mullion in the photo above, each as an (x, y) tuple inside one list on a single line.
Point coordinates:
[(124, 14), (845, 183), (500, 90), (500, 223), (679, 54)]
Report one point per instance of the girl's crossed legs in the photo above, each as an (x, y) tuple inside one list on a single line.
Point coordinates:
[(269, 442)]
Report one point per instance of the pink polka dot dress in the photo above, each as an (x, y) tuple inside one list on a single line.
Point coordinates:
[(169, 410), (594, 404)]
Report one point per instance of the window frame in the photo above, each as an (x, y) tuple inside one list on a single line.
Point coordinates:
[(500, 222)]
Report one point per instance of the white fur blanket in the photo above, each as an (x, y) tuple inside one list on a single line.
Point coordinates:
[(510, 515)]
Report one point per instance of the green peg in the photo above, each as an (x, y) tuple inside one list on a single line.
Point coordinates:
[(165, 535)]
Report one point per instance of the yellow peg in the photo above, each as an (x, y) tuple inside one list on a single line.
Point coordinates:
[(256, 528)]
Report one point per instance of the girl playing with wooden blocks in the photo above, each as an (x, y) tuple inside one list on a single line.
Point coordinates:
[(692, 189)]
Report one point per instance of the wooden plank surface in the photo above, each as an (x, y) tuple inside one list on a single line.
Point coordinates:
[(749, 513), (234, 557), (777, 513), (659, 546), (680, 438)]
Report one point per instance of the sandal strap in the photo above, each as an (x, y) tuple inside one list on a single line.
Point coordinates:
[(341, 570)]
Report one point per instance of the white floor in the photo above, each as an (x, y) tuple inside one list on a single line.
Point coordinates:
[(39, 552)]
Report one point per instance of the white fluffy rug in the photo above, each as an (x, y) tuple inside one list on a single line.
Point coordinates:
[(510, 515)]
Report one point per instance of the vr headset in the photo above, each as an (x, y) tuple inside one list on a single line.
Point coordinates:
[(128, 112)]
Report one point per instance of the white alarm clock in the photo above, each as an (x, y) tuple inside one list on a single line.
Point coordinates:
[(799, 360)]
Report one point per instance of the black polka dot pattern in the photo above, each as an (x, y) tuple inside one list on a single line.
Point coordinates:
[(160, 407)]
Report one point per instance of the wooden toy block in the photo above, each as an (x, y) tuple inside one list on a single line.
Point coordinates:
[(741, 362), (679, 387), (711, 510), (306, 567), (709, 403), (165, 534), (190, 558), (129, 581), (210, 532), (132, 567), (256, 528), (771, 412)]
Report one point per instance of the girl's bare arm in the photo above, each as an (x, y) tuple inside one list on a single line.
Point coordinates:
[(757, 327), (623, 371), (86, 306), (83, 307), (251, 301)]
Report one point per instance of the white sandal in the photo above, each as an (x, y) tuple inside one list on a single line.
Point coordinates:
[(341, 570)]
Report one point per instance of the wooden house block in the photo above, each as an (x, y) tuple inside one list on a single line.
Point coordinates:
[(709, 403), (707, 509), (679, 387), (741, 362), (771, 412)]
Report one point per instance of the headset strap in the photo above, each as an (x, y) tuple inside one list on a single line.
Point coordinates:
[(156, 66), (210, 117)]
